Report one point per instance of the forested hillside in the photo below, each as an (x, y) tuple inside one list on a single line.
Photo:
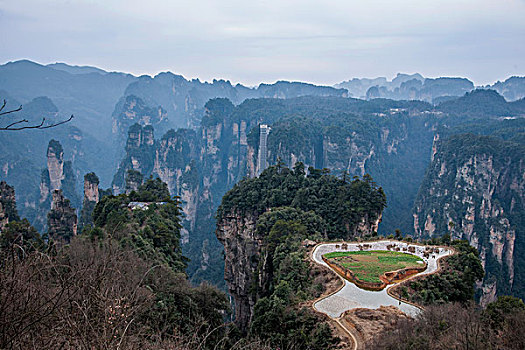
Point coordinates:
[(393, 141), (262, 223), (141, 299)]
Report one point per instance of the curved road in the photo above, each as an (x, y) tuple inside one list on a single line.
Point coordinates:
[(350, 296)]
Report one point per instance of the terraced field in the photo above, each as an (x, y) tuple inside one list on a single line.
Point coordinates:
[(368, 266)]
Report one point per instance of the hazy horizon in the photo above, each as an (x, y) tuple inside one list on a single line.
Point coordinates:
[(389, 79), (267, 41)]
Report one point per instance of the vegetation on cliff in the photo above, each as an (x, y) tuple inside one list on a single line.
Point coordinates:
[(454, 283), (342, 203), (119, 285), (290, 281), (153, 233), (291, 206)]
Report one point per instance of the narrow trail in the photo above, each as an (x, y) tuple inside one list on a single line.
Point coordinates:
[(349, 296), (337, 320)]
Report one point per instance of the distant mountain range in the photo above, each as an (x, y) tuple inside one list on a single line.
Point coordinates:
[(416, 87), (202, 137)]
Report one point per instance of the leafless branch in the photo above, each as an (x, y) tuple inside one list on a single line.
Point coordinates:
[(11, 111), (38, 126), (10, 127)]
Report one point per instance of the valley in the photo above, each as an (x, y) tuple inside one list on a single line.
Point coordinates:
[(262, 175), (252, 174)]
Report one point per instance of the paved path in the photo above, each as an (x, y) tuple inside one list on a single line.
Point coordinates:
[(350, 296)]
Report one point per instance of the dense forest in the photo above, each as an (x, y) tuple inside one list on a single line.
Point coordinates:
[(143, 298), (289, 207), (188, 214), (343, 203)]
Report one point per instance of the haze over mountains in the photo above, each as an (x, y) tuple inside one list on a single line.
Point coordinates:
[(203, 137)]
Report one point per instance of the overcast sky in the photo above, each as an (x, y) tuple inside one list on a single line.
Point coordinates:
[(251, 41)]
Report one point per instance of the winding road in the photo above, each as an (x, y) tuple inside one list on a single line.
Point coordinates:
[(350, 296)]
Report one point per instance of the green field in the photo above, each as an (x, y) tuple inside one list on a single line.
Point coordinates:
[(367, 266)]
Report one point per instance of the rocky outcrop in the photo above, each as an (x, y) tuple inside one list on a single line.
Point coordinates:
[(133, 110), (91, 193), (58, 175), (62, 219), (91, 198), (140, 156), (475, 190), (55, 165), (8, 210), (242, 256)]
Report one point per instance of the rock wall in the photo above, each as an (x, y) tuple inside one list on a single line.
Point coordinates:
[(91, 198), (475, 190), (62, 219), (242, 256), (55, 165), (8, 210), (58, 175)]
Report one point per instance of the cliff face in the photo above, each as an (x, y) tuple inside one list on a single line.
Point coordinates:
[(8, 210), (133, 110), (140, 151), (58, 175), (242, 254), (62, 219), (475, 190), (55, 165), (91, 198)]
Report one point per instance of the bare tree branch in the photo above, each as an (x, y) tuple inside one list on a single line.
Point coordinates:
[(11, 111), (14, 123), (42, 125), (38, 126)]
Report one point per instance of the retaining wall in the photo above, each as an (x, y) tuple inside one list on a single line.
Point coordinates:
[(386, 279)]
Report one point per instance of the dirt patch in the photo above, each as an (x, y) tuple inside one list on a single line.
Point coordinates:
[(325, 277), (370, 323)]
